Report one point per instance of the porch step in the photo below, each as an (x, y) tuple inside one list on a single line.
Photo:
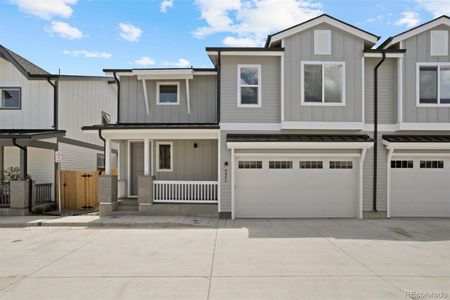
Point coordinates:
[(128, 202), (127, 208)]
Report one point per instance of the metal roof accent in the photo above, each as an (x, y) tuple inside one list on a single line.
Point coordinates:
[(132, 126), (297, 138), (30, 133), (417, 138)]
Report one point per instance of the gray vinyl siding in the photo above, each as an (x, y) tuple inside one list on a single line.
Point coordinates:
[(203, 98), (81, 102), (37, 101), (346, 48), (418, 50), (387, 91), (269, 112)]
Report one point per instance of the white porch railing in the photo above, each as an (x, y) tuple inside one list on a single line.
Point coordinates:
[(185, 191)]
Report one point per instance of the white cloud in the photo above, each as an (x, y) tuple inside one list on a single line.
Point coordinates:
[(181, 63), (130, 32), (409, 19), (250, 21), (65, 30), (145, 61), (436, 7), (46, 9), (166, 4), (87, 54)]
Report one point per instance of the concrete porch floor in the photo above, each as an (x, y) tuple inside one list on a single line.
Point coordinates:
[(229, 259)]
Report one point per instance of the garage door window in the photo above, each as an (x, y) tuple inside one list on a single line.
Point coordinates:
[(250, 164), (341, 164), (431, 164), (311, 165), (402, 164), (280, 164)]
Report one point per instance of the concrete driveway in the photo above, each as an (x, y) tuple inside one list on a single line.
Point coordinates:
[(244, 259)]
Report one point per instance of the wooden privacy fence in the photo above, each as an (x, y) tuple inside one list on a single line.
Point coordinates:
[(79, 189)]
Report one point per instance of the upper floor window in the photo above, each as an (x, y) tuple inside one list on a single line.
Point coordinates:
[(11, 98), (323, 83), (433, 84), (249, 86), (168, 93)]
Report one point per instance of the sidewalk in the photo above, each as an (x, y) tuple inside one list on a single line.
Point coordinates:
[(114, 221)]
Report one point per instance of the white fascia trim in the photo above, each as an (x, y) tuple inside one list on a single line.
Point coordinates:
[(205, 73), (246, 53), (421, 155), (416, 146), (299, 145), (251, 126), (418, 30), (382, 127), (320, 20), (163, 72), (388, 55), (176, 134), (322, 125), (295, 155), (424, 126)]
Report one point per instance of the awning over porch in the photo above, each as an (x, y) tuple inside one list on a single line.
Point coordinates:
[(30, 134), (419, 142)]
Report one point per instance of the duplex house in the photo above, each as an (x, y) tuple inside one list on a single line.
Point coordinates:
[(317, 123), (41, 113)]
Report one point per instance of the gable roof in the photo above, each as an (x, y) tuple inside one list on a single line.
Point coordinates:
[(324, 18), (414, 31), (26, 67)]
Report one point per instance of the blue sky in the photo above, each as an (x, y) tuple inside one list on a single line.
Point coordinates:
[(85, 36)]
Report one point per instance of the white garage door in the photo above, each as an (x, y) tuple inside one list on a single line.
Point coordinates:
[(296, 188), (420, 187)]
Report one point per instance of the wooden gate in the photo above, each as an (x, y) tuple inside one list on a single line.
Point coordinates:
[(79, 189)]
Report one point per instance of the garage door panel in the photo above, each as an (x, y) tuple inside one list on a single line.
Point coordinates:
[(295, 193), (420, 192)]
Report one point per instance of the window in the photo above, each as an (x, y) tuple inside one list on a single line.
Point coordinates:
[(164, 156), (402, 164), (280, 164), (100, 161), (323, 83), (431, 164), (311, 165), (249, 86), (341, 164), (433, 83), (168, 93), (11, 98), (322, 42), (439, 43), (250, 164)]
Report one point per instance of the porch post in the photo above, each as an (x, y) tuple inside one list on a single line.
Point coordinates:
[(23, 164), (146, 157), (108, 157)]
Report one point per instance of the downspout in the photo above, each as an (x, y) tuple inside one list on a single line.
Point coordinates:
[(25, 172), (375, 131), (104, 147), (218, 85), (55, 102), (118, 97)]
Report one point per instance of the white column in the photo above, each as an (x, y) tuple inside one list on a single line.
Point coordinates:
[(108, 157), (146, 157), (361, 182)]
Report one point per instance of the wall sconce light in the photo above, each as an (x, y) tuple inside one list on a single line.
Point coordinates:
[(195, 145), (226, 163)]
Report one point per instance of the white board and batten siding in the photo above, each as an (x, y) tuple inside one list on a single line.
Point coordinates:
[(37, 100)]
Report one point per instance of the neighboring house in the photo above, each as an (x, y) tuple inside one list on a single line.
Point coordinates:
[(292, 129), (41, 113)]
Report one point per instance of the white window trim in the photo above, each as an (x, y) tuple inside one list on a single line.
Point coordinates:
[(429, 64), (159, 83), (157, 157), (239, 104), (302, 80)]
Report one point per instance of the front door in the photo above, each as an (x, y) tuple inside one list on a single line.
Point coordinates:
[(137, 165)]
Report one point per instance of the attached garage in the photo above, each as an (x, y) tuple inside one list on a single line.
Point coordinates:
[(297, 176), (418, 176)]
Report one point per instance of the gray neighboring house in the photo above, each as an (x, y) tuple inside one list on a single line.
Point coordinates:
[(290, 130), (41, 113)]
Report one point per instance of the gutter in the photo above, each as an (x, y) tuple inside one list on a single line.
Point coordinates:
[(375, 131), (25, 172), (218, 84), (118, 96), (55, 102)]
